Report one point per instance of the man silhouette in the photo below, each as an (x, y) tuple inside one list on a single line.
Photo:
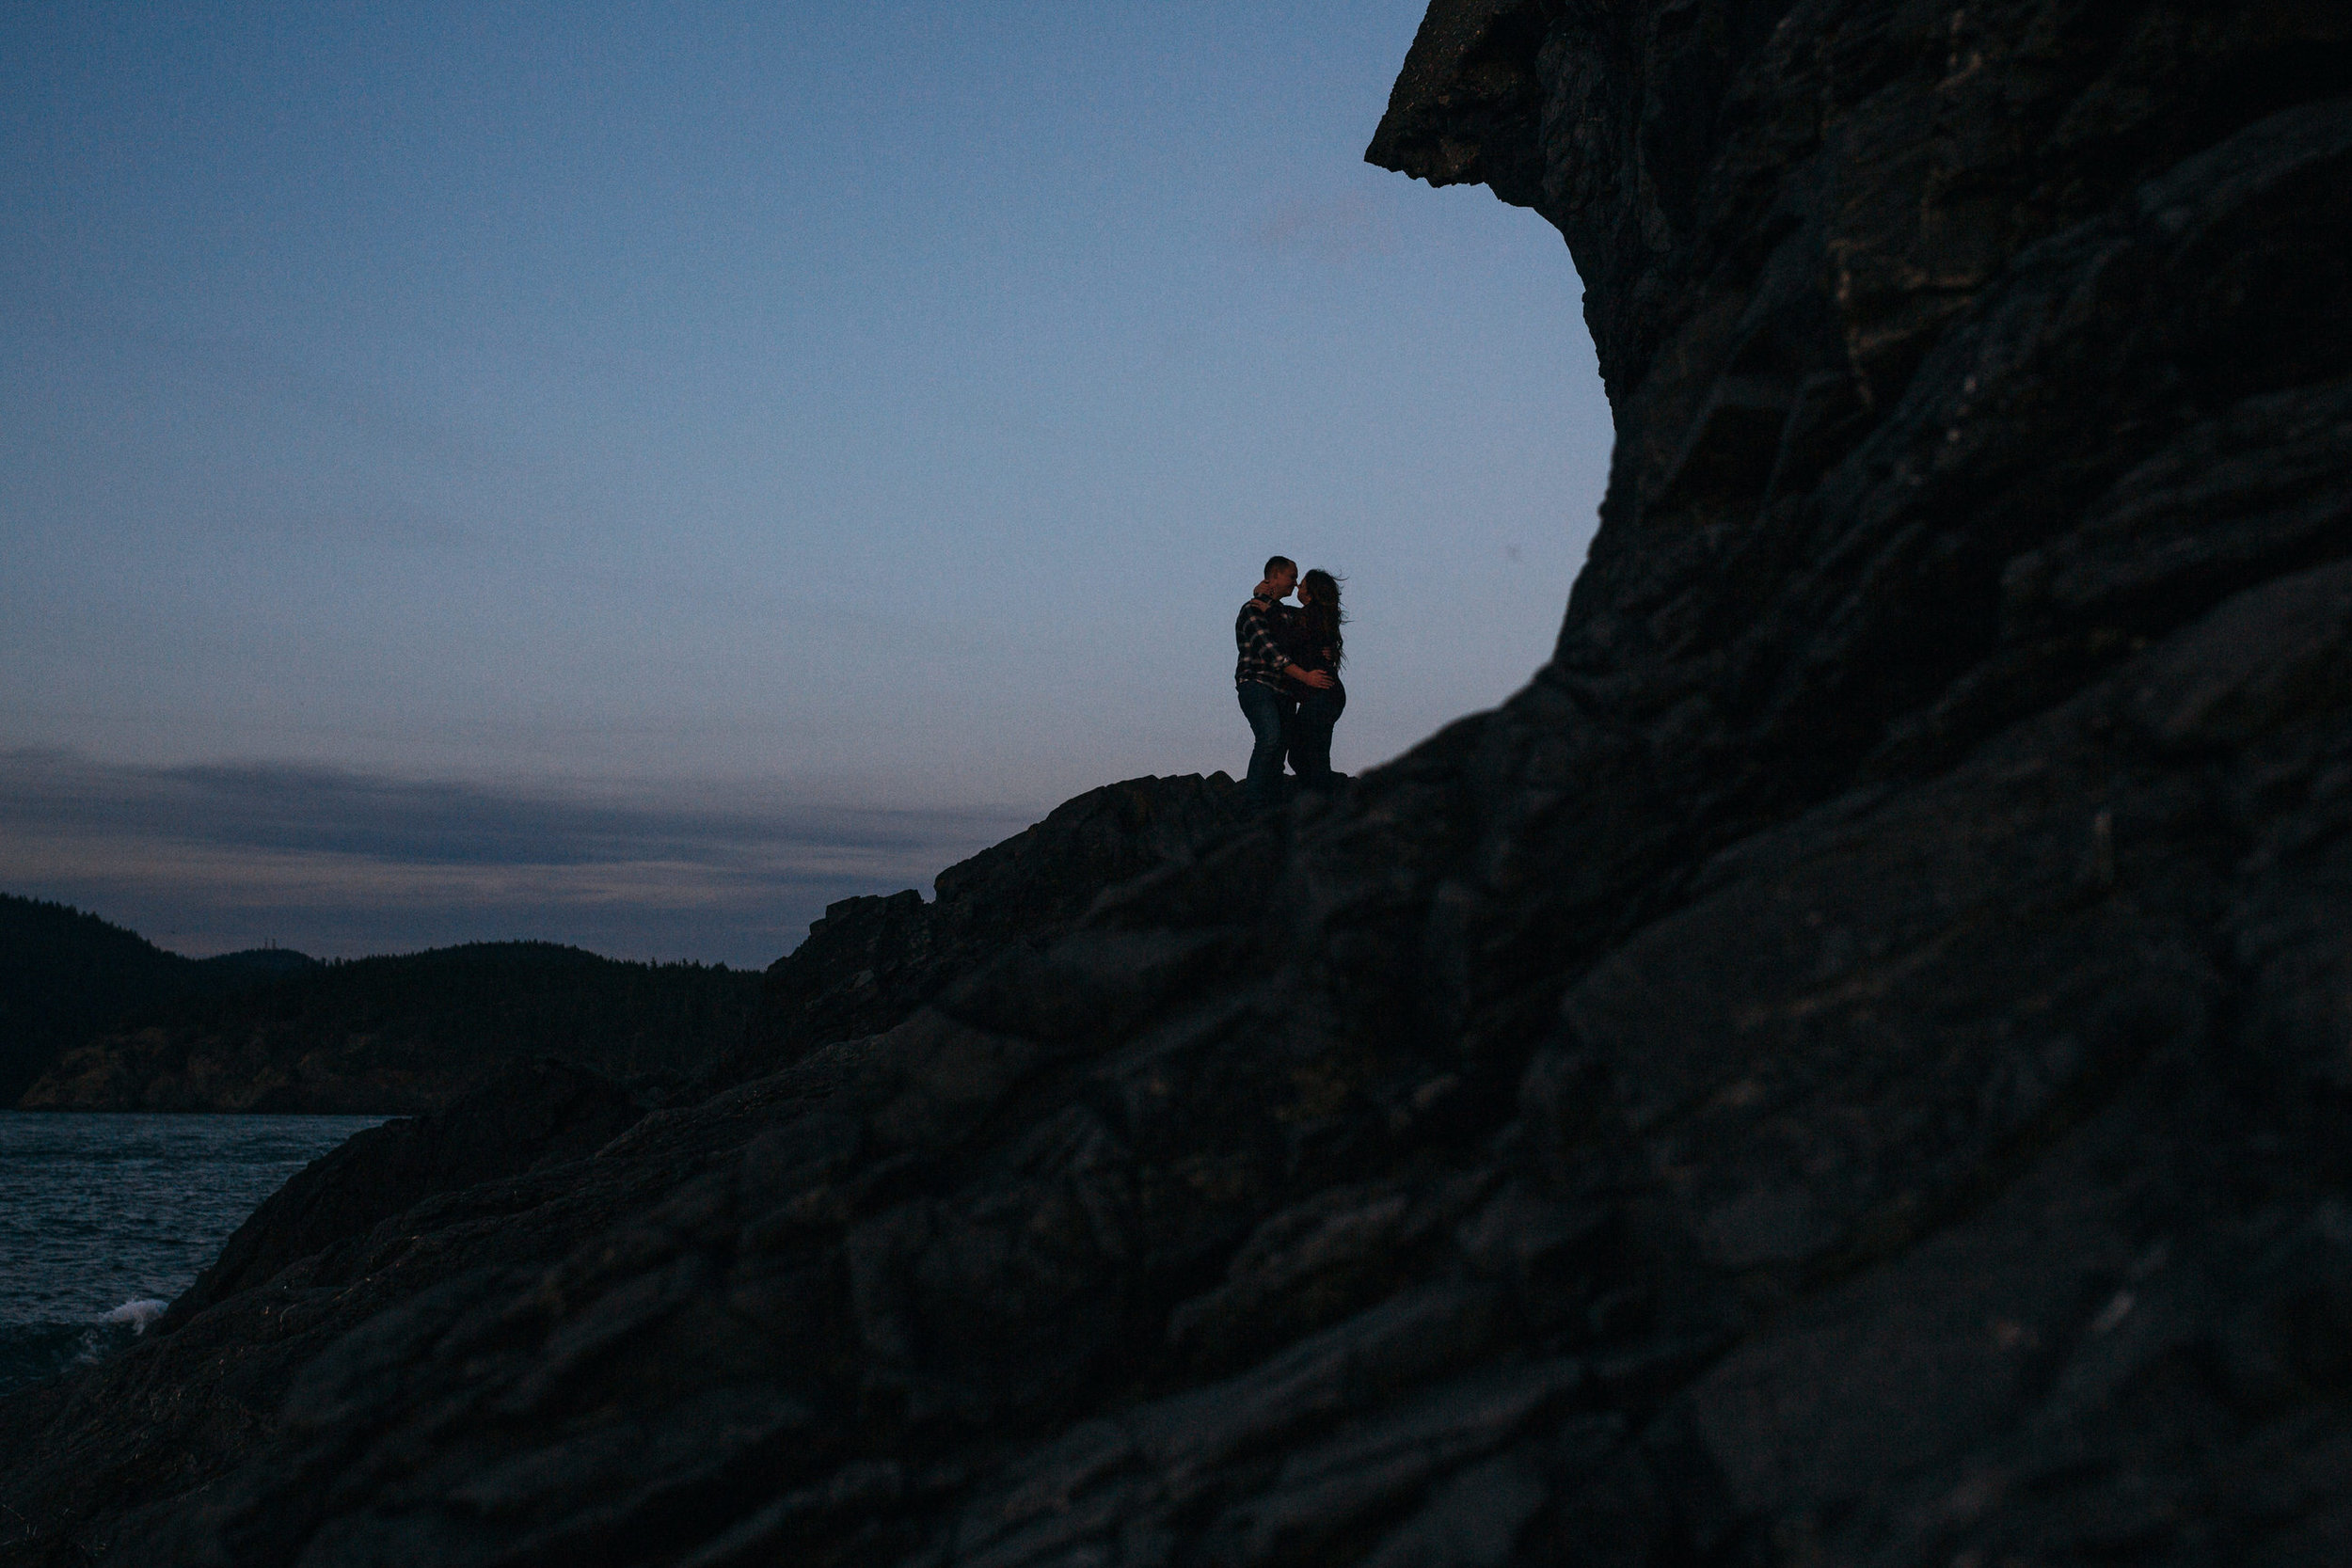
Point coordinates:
[(1258, 681)]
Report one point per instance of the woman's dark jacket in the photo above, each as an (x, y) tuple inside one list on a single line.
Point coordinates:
[(1295, 630)]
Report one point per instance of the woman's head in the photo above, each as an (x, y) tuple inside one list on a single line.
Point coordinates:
[(1319, 593)]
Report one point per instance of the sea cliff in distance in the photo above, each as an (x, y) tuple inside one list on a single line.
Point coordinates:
[(94, 1018)]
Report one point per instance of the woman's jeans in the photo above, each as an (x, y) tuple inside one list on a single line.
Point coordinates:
[(1267, 711), (1310, 737)]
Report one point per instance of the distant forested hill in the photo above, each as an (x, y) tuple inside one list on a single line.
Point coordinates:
[(397, 1035), (66, 975)]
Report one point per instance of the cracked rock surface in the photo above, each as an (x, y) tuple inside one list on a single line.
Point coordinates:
[(1851, 1066)]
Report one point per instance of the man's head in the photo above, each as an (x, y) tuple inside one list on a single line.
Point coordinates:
[(1281, 576)]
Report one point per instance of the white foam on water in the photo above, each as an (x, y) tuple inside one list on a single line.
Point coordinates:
[(138, 1314)]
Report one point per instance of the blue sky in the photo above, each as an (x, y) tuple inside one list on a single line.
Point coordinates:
[(849, 428)]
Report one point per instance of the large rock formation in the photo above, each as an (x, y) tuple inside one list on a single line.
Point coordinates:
[(1848, 1067)]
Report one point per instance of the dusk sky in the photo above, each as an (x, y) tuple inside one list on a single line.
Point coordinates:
[(630, 474)]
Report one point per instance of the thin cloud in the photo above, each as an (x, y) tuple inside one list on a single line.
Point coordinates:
[(338, 862)]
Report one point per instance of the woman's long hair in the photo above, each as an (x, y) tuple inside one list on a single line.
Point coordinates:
[(1322, 616)]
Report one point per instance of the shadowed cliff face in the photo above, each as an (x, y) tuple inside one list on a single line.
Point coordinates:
[(1848, 1067)]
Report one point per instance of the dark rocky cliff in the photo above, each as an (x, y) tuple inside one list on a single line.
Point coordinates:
[(1848, 1067)]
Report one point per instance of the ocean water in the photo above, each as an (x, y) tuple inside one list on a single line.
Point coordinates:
[(104, 1218)]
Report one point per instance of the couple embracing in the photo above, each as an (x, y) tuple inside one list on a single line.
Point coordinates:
[(1288, 678)]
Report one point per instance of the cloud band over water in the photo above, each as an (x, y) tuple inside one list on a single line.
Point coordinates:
[(210, 858)]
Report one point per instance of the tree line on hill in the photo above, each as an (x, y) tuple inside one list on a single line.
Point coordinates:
[(94, 1017)]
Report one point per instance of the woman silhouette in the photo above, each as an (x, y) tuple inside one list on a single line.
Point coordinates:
[(1313, 639)]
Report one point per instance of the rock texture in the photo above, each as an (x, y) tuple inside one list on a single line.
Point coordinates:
[(523, 1116), (870, 961), (1848, 1067)]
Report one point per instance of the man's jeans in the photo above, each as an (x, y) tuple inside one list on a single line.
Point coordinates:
[(1266, 709)]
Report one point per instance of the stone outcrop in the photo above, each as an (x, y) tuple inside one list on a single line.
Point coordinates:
[(872, 960), (506, 1164), (522, 1117), (1848, 1066)]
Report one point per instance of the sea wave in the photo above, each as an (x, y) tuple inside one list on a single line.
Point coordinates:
[(138, 1314)]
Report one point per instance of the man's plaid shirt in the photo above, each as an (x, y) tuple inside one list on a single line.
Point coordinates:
[(1261, 655)]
